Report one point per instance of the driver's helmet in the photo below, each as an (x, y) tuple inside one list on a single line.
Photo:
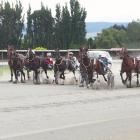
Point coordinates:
[(49, 54), (70, 53)]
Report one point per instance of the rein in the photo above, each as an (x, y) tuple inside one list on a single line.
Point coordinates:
[(86, 66), (59, 63)]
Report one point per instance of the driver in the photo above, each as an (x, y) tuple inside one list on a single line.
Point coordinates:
[(105, 62)]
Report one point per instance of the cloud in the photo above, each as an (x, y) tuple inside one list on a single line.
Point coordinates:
[(97, 10)]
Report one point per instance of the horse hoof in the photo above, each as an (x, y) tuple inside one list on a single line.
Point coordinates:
[(29, 78), (10, 80), (15, 82), (93, 80), (62, 84), (81, 85)]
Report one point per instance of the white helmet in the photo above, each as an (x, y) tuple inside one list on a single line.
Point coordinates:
[(49, 54), (70, 53)]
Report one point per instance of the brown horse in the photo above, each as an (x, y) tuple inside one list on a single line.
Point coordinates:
[(10, 52), (91, 67), (86, 67), (129, 65), (16, 64), (99, 69), (61, 65)]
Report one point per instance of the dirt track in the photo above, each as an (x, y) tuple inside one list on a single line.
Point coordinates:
[(68, 112)]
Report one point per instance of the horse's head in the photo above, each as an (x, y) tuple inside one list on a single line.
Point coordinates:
[(57, 55), (10, 52), (83, 53), (123, 53), (15, 57)]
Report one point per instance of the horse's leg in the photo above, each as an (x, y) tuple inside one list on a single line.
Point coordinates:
[(11, 71), (129, 75), (22, 74), (28, 74), (74, 75), (45, 70), (130, 78), (16, 77), (82, 75), (137, 79), (35, 76), (123, 81), (88, 78), (56, 75), (104, 78), (62, 76)]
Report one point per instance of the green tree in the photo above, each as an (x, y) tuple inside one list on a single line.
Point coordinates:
[(66, 28), (11, 24), (110, 38), (28, 38), (40, 28), (133, 31), (78, 16), (57, 29)]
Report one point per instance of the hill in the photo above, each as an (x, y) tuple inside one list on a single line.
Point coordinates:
[(93, 28)]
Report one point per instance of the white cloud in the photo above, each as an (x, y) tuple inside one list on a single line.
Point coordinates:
[(97, 10)]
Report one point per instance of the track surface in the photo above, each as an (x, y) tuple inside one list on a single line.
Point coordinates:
[(68, 112)]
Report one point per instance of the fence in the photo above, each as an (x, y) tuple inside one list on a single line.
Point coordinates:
[(113, 52)]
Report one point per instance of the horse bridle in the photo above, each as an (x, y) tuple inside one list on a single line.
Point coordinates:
[(86, 67)]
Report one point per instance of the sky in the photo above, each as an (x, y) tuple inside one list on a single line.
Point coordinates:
[(97, 10)]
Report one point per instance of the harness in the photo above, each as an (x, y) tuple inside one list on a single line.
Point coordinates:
[(86, 66), (59, 63)]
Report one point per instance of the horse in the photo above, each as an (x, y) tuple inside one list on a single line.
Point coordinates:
[(10, 52), (15, 64), (18, 62), (91, 67), (34, 65), (45, 66), (61, 65), (86, 67), (18, 66), (129, 65)]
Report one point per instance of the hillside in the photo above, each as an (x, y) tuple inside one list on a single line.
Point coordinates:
[(93, 28)]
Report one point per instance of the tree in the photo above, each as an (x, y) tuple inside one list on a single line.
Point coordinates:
[(40, 28), (57, 28), (78, 16), (28, 38), (110, 38), (133, 31), (66, 28), (70, 26), (90, 43), (11, 24)]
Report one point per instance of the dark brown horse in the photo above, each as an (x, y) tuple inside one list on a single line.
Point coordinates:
[(16, 64), (61, 65), (89, 68), (129, 65), (86, 67), (10, 52), (99, 69)]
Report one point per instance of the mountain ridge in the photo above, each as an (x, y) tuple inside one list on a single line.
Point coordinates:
[(92, 28), (98, 26)]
